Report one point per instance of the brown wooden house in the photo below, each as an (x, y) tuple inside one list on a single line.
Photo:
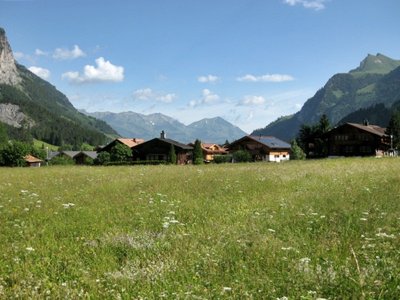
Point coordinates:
[(351, 139), (158, 149), (262, 148)]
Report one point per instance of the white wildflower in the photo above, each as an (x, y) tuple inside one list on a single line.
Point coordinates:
[(30, 249), (68, 205)]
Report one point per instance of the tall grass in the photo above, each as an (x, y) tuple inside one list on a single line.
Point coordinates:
[(300, 230)]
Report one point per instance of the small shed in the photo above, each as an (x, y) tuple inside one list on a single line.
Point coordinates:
[(263, 148), (33, 161)]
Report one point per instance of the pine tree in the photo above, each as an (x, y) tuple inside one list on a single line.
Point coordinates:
[(172, 155), (197, 153)]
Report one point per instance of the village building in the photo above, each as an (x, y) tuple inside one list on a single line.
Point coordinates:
[(158, 149), (32, 161), (210, 150), (352, 139), (262, 148), (131, 142)]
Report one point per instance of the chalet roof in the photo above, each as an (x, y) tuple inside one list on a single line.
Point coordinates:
[(374, 129), (269, 141), (91, 154), (131, 142), (175, 143), (32, 159), (167, 141)]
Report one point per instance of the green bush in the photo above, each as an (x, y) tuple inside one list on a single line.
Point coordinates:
[(61, 160), (241, 156), (220, 159)]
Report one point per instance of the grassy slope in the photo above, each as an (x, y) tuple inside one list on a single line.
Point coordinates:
[(315, 229)]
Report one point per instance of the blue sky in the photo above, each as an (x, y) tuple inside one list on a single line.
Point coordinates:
[(248, 61)]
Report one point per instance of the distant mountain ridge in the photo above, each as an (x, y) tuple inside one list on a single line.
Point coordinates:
[(30, 107), (132, 124), (376, 80)]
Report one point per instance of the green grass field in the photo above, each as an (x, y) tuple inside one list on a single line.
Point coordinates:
[(302, 230)]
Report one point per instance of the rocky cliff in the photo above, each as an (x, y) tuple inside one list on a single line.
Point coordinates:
[(8, 69)]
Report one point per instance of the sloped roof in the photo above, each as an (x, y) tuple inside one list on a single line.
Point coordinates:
[(91, 154), (374, 129), (32, 159), (175, 143), (270, 141), (167, 141), (131, 142)]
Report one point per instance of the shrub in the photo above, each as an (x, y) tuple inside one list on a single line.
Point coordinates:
[(241, 156), (219, 159)]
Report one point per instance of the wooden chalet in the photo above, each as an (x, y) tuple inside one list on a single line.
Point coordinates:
[(262, 148), (210, 150), (352, 139), (32, 161), (128, 142), (158, 149)]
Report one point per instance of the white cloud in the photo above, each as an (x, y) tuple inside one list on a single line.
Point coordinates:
[(64, 54), (104, 71), (312, 4), (41, 72), (39, 52), (208, 97), (265, 78), (148, 94), (252, 100), (208, 79)]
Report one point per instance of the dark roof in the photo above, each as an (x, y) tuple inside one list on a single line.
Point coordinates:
[(269, 141), (167, 141), (175, 143), (374, 129), (91, 154)]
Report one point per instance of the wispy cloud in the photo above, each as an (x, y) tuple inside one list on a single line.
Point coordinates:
[(104, 71), (265, 78), (252, 100), (312, 4), (41, 72), (208, 79), (147, 94), (65, 54), (208, 97), (39, 52)]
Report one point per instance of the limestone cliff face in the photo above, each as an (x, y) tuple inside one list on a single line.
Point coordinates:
[(11, 115), (8, 69)]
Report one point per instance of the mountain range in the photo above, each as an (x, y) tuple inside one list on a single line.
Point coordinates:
[(375, 81), (30, 107), (132, 124)]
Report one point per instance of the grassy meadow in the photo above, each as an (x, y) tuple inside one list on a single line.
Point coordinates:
[(297, 230)]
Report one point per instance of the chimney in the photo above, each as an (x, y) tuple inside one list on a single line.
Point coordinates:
[(366, 123), (163, 135)]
